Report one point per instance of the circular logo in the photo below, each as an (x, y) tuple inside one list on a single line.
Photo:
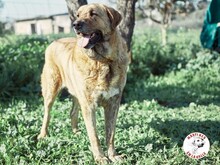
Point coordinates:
[(196, 145)]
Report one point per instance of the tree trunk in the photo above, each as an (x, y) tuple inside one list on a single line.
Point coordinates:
[(126, 27), (164, 34), (73, 6)]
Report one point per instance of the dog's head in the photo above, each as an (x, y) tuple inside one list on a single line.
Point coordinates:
[(198, 142), (94, 22)]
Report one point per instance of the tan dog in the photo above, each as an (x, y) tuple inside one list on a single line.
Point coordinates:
[(93, 68)]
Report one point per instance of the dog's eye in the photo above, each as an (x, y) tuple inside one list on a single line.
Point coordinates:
[(93, 13), (77, 15)]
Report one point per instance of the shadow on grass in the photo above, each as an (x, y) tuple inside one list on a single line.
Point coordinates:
[(173, 96), (177, 130), (172, 133)]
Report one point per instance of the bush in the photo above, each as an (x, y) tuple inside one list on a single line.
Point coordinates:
[(175, 74), (150, 57), (198, 81), (20, 65)]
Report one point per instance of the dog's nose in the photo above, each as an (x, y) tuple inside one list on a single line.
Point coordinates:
[(78, 25)]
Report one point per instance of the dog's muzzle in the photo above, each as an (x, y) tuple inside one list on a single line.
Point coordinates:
[(86, 40)]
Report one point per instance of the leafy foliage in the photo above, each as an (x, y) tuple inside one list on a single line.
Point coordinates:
[(20, 65), (196, 82), (21, 62), (171, 91), (151, 57), (176, 74)]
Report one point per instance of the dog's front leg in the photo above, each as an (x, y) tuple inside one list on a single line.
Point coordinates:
[(88, 113), (46, 119), (111, 112)]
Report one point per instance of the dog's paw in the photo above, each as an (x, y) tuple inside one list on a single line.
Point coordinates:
[(41, 136), (76, 131), (116, 158), (102, 160)]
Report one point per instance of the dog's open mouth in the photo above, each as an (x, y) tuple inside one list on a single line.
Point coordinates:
[(88, 41)]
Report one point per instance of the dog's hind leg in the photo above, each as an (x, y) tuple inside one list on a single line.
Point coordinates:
[(51, 85), (74, 115)]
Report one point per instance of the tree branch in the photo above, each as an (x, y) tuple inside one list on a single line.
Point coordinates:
[(73, 6)]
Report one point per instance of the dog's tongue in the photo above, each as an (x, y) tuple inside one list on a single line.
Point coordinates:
[(84, 41)]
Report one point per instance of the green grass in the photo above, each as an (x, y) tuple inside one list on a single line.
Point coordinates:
[(146, 132), (171, 92)]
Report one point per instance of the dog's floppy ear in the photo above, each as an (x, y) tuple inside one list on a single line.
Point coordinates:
[(114, 16)]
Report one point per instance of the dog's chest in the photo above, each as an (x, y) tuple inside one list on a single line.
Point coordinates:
[(102, 82), (98, 76), (101, 94)]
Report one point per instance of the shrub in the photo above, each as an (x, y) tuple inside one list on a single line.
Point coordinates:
[(20, 65), (150, 57)]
